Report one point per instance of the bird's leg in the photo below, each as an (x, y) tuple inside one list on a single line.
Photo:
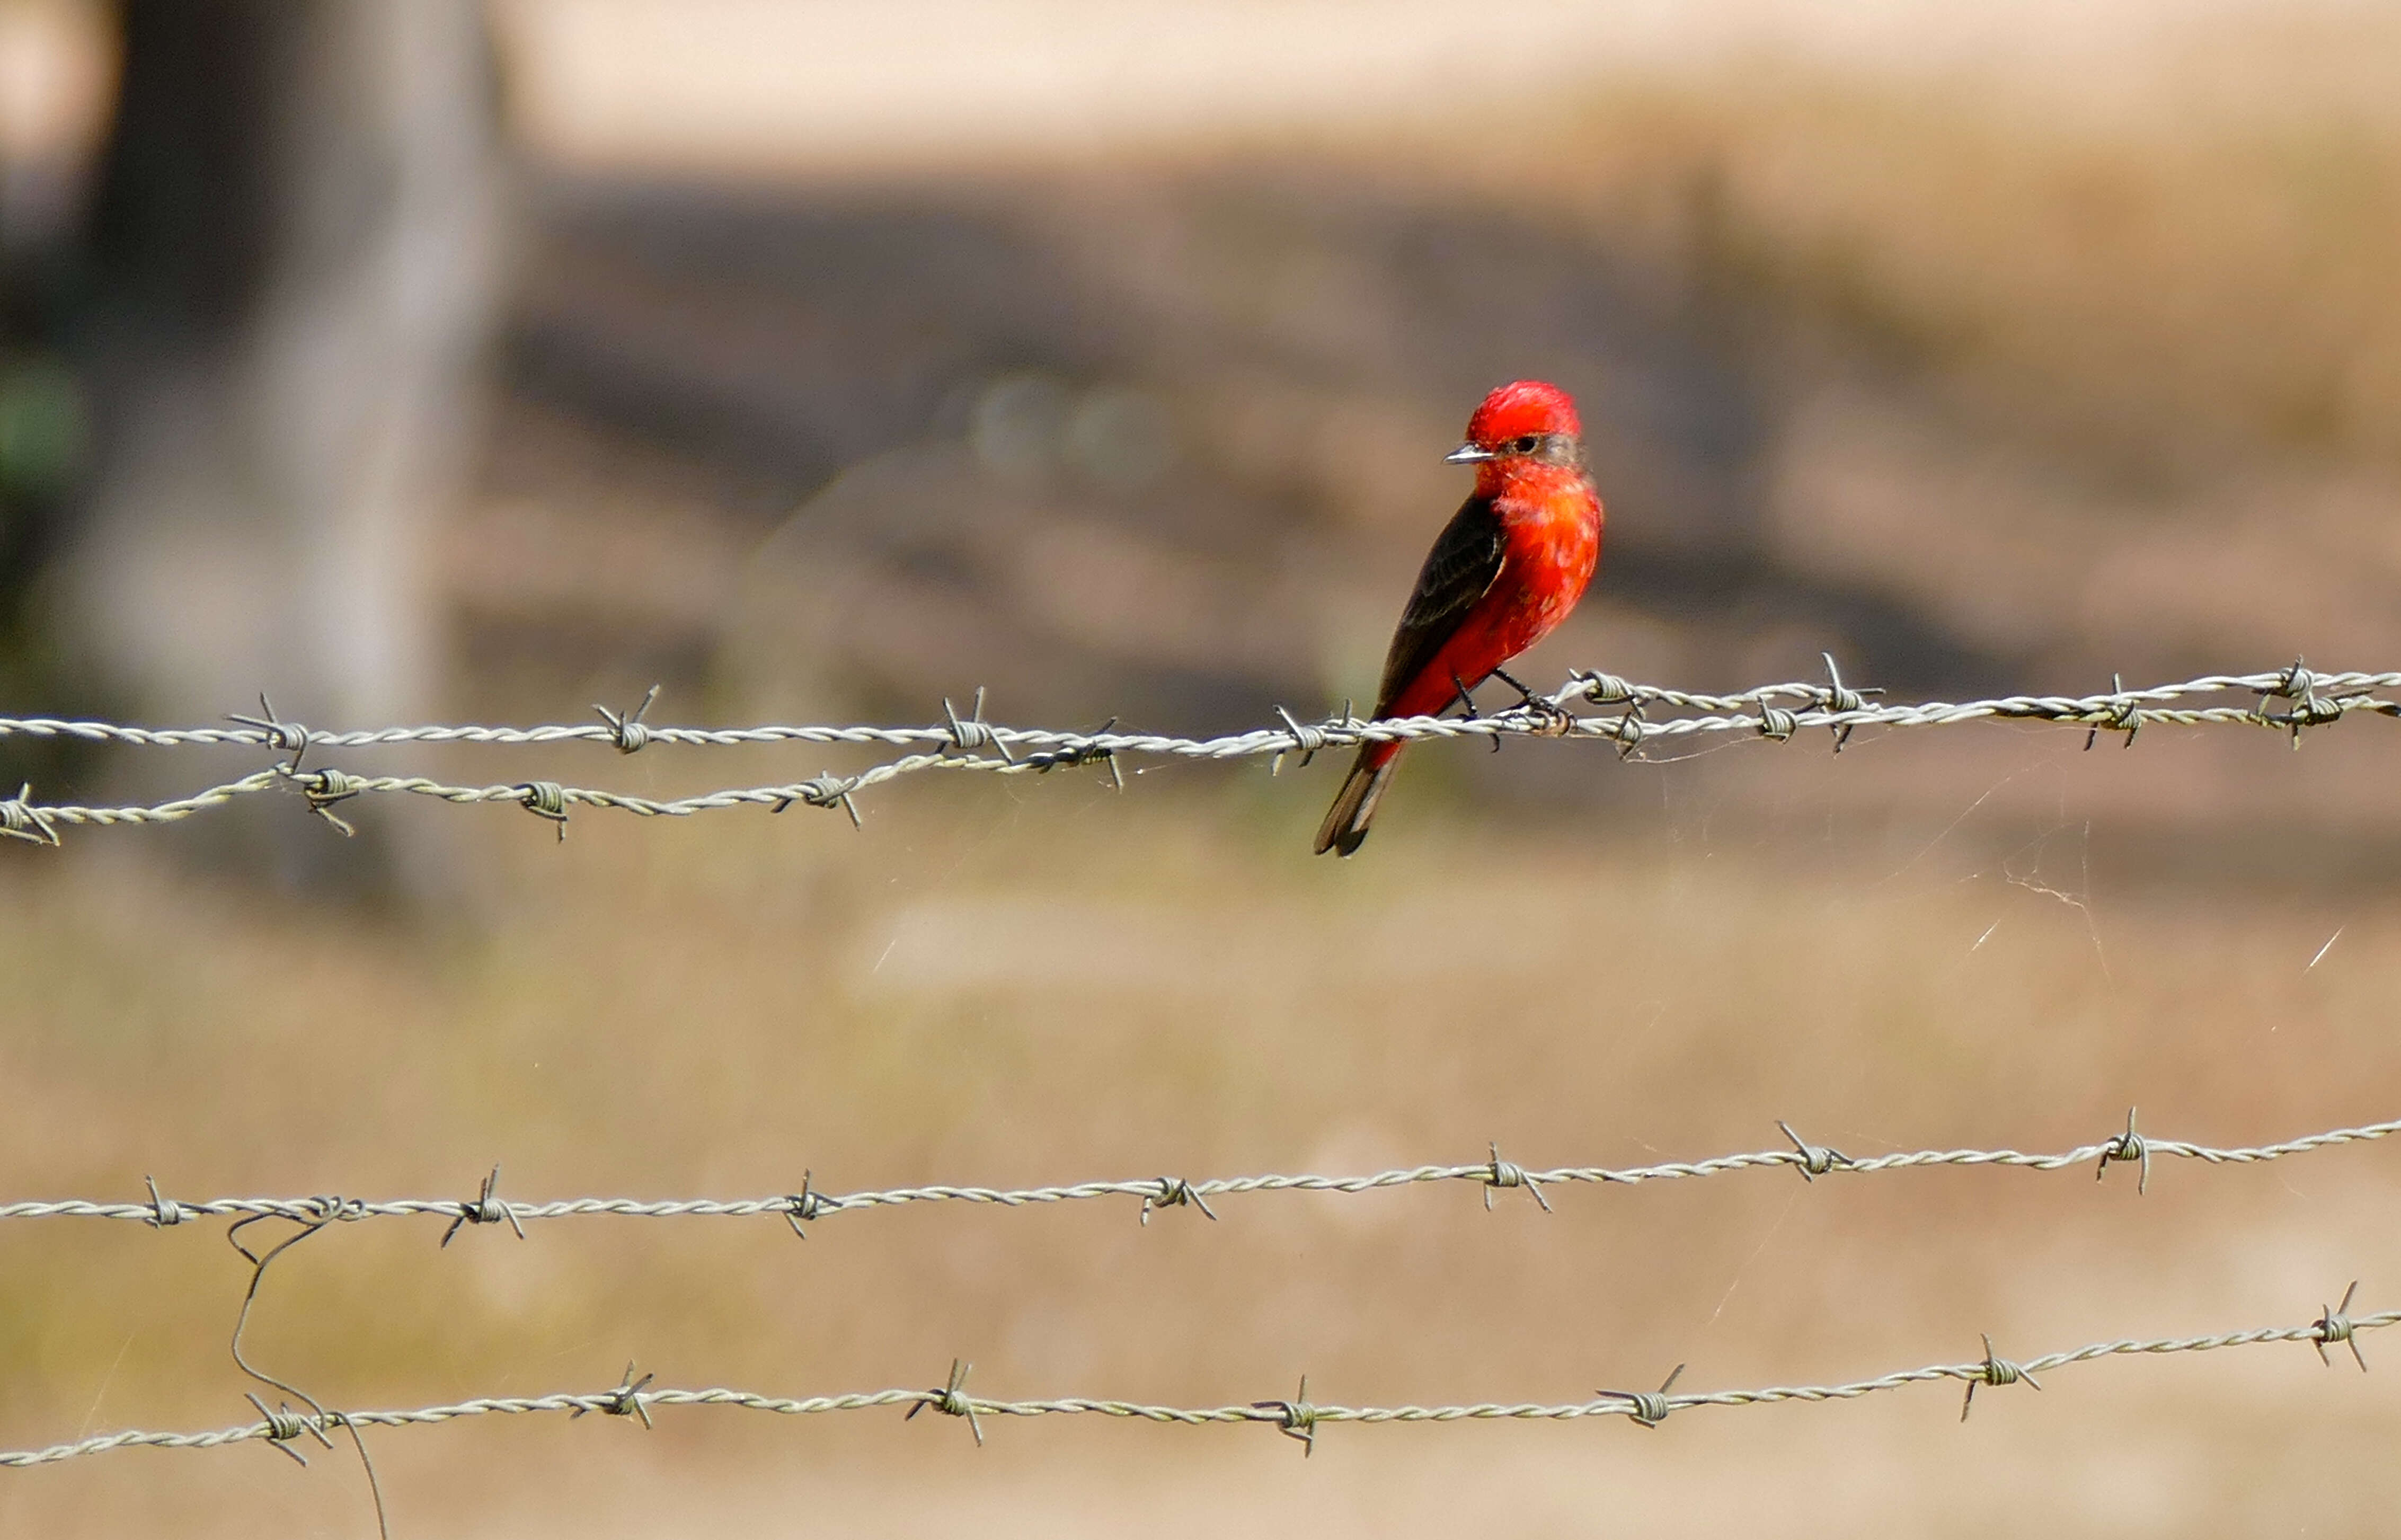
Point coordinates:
[(1551, 718), (1467, 702), (1528, 697)]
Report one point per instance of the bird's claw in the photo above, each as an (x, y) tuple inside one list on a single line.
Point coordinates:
[(1549, 719)]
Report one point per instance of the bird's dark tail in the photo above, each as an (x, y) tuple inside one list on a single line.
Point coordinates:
[(1354, 807)]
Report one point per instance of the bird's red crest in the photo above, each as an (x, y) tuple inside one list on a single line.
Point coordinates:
[(1519, 407)]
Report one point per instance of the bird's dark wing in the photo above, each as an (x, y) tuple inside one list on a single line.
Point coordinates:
[(1463, 564)]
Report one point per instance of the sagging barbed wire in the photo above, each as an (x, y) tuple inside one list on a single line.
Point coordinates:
[(1297, 1416), (1629, 717), (1155, 1193)]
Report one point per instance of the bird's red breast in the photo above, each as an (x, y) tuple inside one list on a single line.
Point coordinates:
[(1535, 507)]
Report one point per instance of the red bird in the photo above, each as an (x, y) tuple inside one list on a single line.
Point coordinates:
[(1511, 564)]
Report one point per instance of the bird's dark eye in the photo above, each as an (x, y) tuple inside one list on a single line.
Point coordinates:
[(1527, 443)]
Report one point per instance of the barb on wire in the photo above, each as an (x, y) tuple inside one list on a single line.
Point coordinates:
[(1298, 1417), (485, 1210), (164, 1211), (1175, 1192), (951, 1400), (273, 730), (2335, 1325), (1815, 1161), (2129, 1146), (19, 819), (1629, 716), (1650, 1408), (974, 732), (1295, 1418), (2123, 717), (804, 1204), (626, 728), (1995, 1370), (1158, 1192), (625, 1401), (1501, 1172)]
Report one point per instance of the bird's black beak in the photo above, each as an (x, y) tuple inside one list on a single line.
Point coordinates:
[(1467, 454)]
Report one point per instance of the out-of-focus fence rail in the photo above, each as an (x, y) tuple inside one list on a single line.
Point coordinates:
[(1629, 717)]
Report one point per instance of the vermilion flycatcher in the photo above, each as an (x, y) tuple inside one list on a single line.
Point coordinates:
[(1509, 567)]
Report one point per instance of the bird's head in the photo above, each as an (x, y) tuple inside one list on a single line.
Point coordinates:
[(1523, 422)]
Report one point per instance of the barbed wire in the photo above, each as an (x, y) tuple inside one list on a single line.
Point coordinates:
[(1632, 717), (1631, 720), (1157, 1192), (1297, 1416)]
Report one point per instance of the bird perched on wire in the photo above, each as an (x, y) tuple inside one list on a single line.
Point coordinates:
[(1508, 567)]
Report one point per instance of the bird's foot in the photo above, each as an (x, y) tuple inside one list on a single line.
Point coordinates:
[(1550, 719)]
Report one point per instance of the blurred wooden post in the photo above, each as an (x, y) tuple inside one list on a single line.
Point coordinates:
[(297, 250)]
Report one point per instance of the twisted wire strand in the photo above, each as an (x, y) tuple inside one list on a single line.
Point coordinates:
[(1292, 1416), (1707, 712), (2318, 699), (1168, 1191)]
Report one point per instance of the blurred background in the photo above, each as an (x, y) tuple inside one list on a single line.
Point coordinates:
[(816, 362)]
